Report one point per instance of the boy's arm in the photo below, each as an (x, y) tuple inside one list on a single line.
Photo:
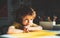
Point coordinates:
[(35, 27), (12, 30)]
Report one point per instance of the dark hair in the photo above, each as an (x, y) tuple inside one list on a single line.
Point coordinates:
[(21, 12)]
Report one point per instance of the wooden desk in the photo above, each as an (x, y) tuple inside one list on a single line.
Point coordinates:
[(36, 34)]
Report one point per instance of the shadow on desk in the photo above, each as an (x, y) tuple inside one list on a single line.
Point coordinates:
[(56, 27)]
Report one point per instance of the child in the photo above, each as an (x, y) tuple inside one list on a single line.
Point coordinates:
[(24, 23)]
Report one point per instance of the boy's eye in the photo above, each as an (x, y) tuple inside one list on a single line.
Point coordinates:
[(31, 19), (26, 20)]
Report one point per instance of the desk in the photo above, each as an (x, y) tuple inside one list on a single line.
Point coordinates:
[(36, 34)]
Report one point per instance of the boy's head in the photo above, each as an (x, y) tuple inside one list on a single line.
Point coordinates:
[(25, 15)]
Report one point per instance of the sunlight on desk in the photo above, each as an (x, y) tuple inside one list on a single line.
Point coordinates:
[(36, 34)]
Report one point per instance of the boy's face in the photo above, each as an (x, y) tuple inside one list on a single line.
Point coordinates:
[(28, 19)]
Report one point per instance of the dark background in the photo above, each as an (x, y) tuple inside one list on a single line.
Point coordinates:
[(42, 7)]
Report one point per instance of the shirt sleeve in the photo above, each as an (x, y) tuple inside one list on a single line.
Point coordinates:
[(33, 25)]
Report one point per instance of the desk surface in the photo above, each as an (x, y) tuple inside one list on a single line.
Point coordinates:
[(36, 34)]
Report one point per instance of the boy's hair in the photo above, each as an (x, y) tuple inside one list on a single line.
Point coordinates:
[(21, 12)]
